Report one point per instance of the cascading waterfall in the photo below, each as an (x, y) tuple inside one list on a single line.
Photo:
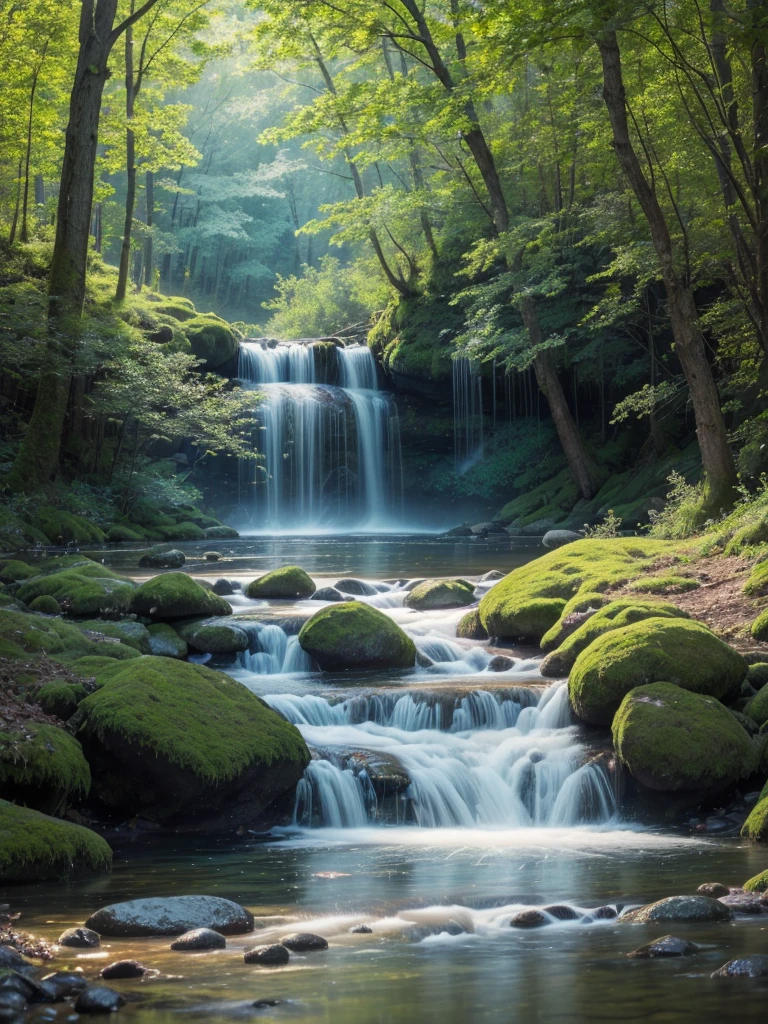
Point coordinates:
[(467, 414), (331, 454)]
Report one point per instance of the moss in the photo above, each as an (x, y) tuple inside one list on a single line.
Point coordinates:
[(60, 699), (212, 340), (177, 307), (759, 628), (95, 666), (45, 605), (194, 718), (174, 595), (133, 634), (183, 531), (756, 827), (748, 536), (583, 566), (14, 571), (667, 583), (34, 847), (35, 634), (550, 500), (757, 584), (758, 883), (212, 638), (674, 741), (654, 650), (571, 616), (614, 615), (121, 532), (757, 709), (470, 627), (220, 533), (288, 582), (165, 642), (757, 674), (355, 635), (440, 594), (162, 557), (43, 766), (65, 526), (81, 590)]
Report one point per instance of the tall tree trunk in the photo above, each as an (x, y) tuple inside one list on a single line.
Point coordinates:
[(545, 369), (759, 72), (28, 154), (17, 208), (149, 196), (130, 170), (716, 456)]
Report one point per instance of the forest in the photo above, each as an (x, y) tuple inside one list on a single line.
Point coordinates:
[(383, 508)]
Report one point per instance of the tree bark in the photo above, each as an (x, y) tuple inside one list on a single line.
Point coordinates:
[(130, 170), (717, 459), (149, 196), (28, 154)]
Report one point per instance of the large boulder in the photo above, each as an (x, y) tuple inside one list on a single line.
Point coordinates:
[(440, 594), (470, 627), (174, 595), (165, 642), (170, 915), (558, 538), (615, 615), (42, 766), (672, 740), (175, 741), (214, 637), (212, 340), (67, 528), (162, 558), (133, 634), (220, 533), (654, 650), (22, 634), (288, 583), (756, 826), (355, 635), (679, 909), (82, 591), (34, 847)]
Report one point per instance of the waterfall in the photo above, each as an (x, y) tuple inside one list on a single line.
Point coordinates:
[(467, 414), (330, 454)]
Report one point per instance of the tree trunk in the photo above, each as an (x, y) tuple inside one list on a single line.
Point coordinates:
[(38, 458), (17, 208), (28, 154), (130, 170), (149, 195), (716, 456), (545, 369)]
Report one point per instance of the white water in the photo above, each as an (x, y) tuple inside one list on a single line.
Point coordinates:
[(467, 414), (331, 455)]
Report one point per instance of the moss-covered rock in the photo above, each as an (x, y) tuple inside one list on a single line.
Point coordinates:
[(674, 741), (220, 533), (42, 766), (440, 594), (14, 571), (22, 633), (654, 650), (530, 600), (756, 827), (758, 883), (171, 739), (759, 628), (84, 590), (165, 642), (67, 528), (134, 634), (95, 667), (183, 531), (176, 306), (174, 595), (214, 637), (35, 848), (757, 584), (614, 615), (162, 558), (121, 532), (289, 582), (757, 674), (664, 583), (470, 627), (45, 605), (355, 635), (212, 340), (757, 709), (575, 612), (60, 698)]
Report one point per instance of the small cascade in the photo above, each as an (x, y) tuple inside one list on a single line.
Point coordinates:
[(273, 652), (330, 454), (467, 414)]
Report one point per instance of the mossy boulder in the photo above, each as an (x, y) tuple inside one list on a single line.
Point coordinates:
[(575, 612), (84, 590), (757, 584), (176, 306), (614, 615), (757, 674), (22, 633), (172, 740), (214, 637), (133, 634), (675, 741), (756, 825), (67, 528), (174, 595), (440, 594), (165, 642), (14, 571), (530, 600), (288, 582), (653, 650), (162, 558), (121, 533), (183, 531), (757, 709), (60, 698), (36, 848), (95, 667), (42, 766), (220, 533), (45, 605), (354, 635), (759, 628), (470, 627), (212, 340)]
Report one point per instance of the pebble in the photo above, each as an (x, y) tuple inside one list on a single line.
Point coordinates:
[(269, 955), (304, 942), (66, 983), (80, 938), (99, 1000), (121, 969), (200, 938), (713, 889), (666, 946), (361, 929), (528, 919)]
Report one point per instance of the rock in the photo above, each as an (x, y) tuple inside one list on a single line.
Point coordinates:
[(756, 827), (492, 575), (713, 889), (328, 594), (45, 605), (83, 590), (557, 538), (122, 969), (214, 637), (432, 594), (304, 942), (753, 966), (562, 912), (171, 915), (529, 919), (288, 583), (745, 903), (412, 584), (220, 533), (132, 634), (66, 983), (162, 558), (757, 708), (223, 588), (654, 650), (355, 635), (470, 627), (174, 595), (602, 914), (12, 960), (500, 663), (212, 556), (694, 909), (170, 741), (465, 530), (271, 956), (80, 938), (357, 588), (666, 946), (165, 642), (99, 1000), (200, 938), (12, 1006), (674, 741), (487, 529), (361, 929), (121, 532), (212, 340), (42, 766), (67, 528), (34, 847)]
